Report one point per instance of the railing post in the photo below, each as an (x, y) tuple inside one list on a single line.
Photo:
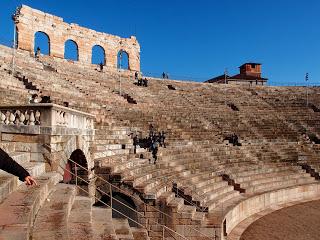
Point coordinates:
[(162, 232), (76, 171), (110, 196)]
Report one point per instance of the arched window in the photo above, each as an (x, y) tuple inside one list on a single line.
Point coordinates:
[(98, 55), (42, 43), (71, 50), (123, 60)]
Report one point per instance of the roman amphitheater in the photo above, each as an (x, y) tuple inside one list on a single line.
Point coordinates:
[(95, 183)]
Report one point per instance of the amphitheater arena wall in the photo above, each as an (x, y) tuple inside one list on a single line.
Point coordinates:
[(268, 200), (29, 21)]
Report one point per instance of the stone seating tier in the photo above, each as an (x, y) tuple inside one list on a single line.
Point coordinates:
[(269, 124)]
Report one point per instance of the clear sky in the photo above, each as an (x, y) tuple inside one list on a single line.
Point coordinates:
[(198, 39)]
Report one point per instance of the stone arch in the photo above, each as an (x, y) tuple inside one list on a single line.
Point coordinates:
[(77, 165), (42, 40), (98, 55), (71, 50), (123, 60)]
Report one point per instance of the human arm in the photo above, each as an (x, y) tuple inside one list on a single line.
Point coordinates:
[(9, 165)]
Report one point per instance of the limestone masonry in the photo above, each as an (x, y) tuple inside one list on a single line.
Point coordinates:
[(234, 153), (30, 21)]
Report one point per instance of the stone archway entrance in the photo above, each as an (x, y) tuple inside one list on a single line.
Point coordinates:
[(76, 170)]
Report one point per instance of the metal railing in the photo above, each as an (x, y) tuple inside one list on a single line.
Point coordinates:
[(111, 186), (164, 228)]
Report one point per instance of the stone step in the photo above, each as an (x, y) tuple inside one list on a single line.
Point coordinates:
[(120, 167), (52, 219), (176, 203), (80, 219), (122, 229), (212, 204), (215, 193), (102, 224), (107, 153), (267, 178), (139, 233), (19, 209), (283, 183)]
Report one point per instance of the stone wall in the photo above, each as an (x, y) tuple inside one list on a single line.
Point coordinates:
[(30, 21), (268, 200)]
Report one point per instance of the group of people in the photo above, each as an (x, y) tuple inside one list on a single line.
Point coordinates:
[(155, 141), (233, 139), (165, 75), (143, 82), (37, 99), (152, 142)]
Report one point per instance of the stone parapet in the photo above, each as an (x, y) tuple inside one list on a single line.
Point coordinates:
[(45, 118)]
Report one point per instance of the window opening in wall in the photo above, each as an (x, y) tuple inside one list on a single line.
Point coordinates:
[(98, 55), (123, 60), (42, 41), (71, 50)]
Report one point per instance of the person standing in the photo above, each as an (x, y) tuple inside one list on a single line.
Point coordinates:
[(37, 54), (101, 67)]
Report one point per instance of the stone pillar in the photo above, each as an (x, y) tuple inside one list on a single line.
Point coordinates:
[(134, 62), (84, 51), (57, 46), (25, 37)]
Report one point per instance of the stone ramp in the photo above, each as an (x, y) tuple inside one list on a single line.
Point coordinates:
[(19, 209), (9, 183), (52, 219), (80, 219)]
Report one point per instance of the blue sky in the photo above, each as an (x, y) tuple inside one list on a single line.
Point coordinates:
[(199, 39)]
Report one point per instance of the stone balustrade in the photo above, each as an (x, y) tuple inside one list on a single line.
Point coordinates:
[(45, 115)]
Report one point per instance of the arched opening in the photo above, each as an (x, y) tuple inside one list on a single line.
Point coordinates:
[(122, 206), (98, 55), (41, 43), (123, 60), (71, 51), (76, 170)]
